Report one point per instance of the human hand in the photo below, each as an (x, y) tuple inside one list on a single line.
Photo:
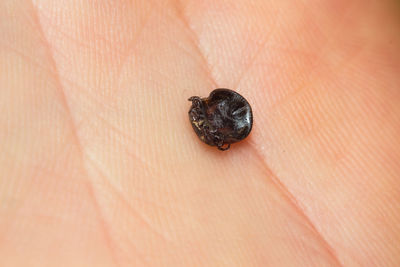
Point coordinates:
[(100, 166)]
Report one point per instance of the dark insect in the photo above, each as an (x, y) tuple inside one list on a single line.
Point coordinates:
[(221, 119)]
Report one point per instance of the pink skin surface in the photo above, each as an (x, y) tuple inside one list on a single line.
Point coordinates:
[(99, 165)]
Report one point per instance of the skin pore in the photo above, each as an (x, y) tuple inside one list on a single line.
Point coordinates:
[(99, 165)]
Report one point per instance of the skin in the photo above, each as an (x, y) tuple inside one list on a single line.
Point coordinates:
[(99, 165)]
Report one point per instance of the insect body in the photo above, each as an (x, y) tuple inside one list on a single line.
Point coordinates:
[(222, 118)]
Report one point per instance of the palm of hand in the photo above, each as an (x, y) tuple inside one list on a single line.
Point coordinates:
[(101, 166)]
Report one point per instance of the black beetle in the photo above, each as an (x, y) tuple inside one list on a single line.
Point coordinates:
[(222, 118)]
